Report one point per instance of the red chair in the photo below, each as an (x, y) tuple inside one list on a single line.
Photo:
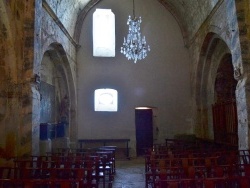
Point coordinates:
[(218, 171), (112, 151), (209, 183), (167, 184), (218, 183), (105, 167), (244, 181), (91, 178), (9, 177), (247, 170)]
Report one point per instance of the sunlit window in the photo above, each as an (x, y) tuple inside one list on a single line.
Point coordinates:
[(106, 100), (103, 33)]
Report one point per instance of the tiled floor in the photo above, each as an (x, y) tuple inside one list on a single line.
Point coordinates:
[(130, 173)]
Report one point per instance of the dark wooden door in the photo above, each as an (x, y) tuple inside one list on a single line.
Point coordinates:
[(225, 122), (144, 130)]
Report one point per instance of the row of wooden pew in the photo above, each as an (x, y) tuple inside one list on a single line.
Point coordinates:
[(213, 168), (65, 169)]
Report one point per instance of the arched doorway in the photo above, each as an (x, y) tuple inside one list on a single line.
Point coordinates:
[(53, 89), (57, 101), (224, 110), (215, 61)]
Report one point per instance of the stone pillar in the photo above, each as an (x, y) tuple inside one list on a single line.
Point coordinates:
[(243, 129), (35, 119), (242, 73)]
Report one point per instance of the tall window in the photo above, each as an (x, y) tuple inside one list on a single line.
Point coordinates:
[(103, 33)]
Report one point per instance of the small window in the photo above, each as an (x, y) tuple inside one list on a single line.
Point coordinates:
[(103, 33), (106, 100)]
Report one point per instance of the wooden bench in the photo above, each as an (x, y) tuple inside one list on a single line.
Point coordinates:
[(106, 142)]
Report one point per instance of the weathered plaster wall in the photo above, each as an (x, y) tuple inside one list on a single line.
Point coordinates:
[(161, 80), (53, 37), (217, 16), (67, 11), (23, 42), (30, 28)]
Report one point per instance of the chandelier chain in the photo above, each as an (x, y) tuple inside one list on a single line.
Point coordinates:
[(134, 9)]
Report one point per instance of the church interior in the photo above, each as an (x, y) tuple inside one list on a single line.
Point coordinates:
[(191, 86)]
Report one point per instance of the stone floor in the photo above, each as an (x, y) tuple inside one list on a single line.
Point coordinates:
[(130, 173)]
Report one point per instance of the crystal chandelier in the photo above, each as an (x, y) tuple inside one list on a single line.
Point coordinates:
[(134, 47)]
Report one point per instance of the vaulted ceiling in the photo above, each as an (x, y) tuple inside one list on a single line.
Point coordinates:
[(189, 13)]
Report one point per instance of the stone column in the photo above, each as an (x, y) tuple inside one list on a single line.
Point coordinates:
[(243, 135), (242, 73)]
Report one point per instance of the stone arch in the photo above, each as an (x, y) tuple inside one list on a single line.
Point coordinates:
[(62, 80), (213, 50), (81, 16)]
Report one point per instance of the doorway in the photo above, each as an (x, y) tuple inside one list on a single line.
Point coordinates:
[(225, 120), (144, 129)]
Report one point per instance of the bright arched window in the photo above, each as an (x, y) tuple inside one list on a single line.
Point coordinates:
[(106, 100)]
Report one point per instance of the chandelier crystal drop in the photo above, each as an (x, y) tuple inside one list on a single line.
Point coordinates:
[(135, 46)]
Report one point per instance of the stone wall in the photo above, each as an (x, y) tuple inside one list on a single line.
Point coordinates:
[(56, 39), (16, 57), (30, 28), (222, 24), (243, 93), (161, 80), (67, 11), (23, 41), (217, 17)]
